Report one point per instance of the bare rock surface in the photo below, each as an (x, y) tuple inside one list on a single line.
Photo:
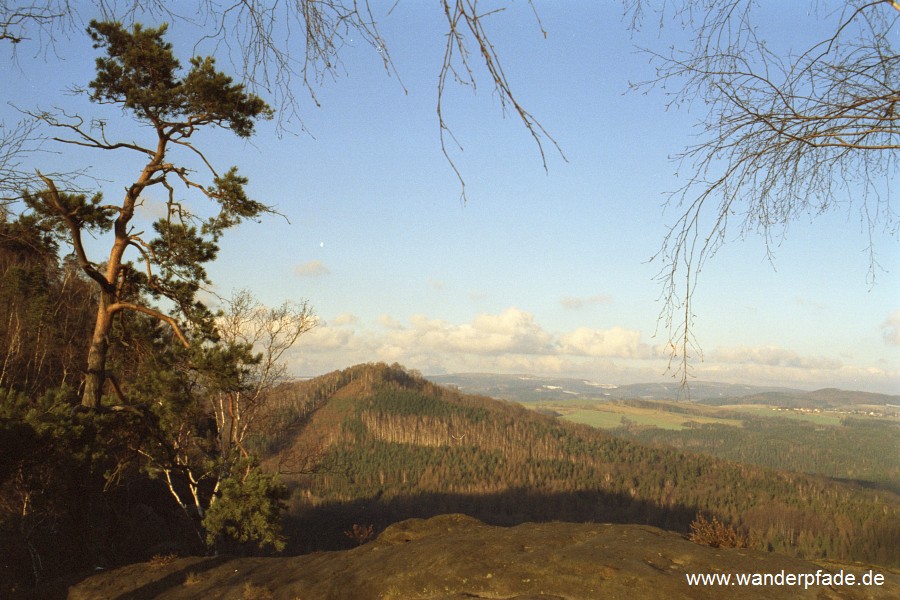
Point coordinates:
[(458, 557)]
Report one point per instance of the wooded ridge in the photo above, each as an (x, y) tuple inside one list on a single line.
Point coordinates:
[(389, 444)]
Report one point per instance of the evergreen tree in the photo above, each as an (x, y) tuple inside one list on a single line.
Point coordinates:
[(140, 75)]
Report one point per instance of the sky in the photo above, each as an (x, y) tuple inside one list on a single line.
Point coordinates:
[(545, 272)]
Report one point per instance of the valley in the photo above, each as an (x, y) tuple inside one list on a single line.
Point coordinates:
[(846, 435), (860, 446)]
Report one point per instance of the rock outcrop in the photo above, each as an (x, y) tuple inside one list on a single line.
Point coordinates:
[(458, 557)]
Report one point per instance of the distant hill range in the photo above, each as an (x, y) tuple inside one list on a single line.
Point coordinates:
[(824, 398), (535, 388)]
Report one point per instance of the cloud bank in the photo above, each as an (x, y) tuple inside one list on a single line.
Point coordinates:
[(512, 341)]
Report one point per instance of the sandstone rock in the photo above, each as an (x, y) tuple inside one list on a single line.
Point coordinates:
[(458, 557)]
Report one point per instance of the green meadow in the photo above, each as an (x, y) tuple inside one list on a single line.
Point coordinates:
[(606, 415)]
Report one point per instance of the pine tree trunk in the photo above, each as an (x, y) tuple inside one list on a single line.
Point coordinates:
[(96, 362)]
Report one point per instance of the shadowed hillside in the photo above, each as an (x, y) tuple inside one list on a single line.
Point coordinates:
[(373, 444)]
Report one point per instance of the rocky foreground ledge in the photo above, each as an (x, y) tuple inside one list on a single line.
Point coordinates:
[(458, 557)]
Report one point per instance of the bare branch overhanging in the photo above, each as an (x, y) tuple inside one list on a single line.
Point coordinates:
[(785, 135), (260, 40)]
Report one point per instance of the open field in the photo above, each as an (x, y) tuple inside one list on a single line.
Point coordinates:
[(604, 413), (612, 415)]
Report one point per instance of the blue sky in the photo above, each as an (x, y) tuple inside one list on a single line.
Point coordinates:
[(537, 272)]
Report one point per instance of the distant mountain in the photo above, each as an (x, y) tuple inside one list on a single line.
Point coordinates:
[(375, 444), (824, 398), (534, 388)]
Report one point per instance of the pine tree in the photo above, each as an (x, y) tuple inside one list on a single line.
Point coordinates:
[(140, 75)]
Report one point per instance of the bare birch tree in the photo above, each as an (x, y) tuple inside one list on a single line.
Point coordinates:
[(264, 334)]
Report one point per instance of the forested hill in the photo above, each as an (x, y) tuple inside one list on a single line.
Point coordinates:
[(374, 444)]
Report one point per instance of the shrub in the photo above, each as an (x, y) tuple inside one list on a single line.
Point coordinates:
[(715, 534), (256, 592), (360, 534), (161, 560)]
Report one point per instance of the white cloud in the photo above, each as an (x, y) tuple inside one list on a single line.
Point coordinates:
[(890, 329), (772, 356), (513, 331), (614, 342), (313, 268), (511, 341), (325, 338)]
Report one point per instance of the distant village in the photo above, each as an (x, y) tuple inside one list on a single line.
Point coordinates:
[(888, 411)]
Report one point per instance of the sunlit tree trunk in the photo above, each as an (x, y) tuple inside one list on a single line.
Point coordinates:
[(96, 361)]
